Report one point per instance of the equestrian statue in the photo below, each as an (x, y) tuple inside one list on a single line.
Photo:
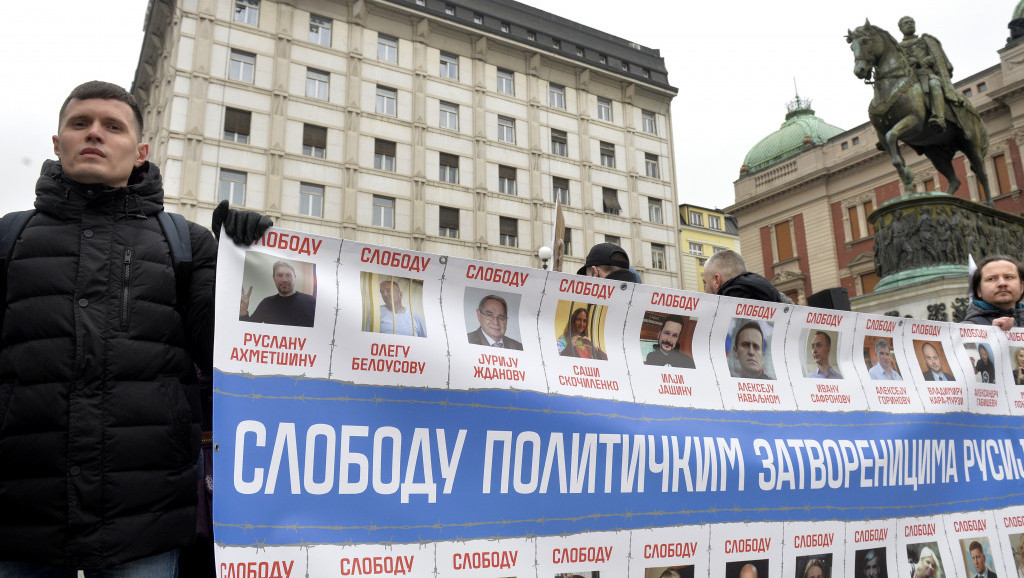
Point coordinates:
[(915, 102)]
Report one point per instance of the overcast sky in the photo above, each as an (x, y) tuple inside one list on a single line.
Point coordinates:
[(734, 63)]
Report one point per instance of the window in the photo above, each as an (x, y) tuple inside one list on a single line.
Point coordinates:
[(556, 96), (646, 72), (387, 101), (567, 242), (868, 282), (421, 2), (236, 125), (845, 145), (531, 35), (651, 165), (855, 232), (929, 184), (506, 180), (696, 219), (559, 143), (604, 109), (387, 49), (967, 92), (1002, 174), (657, 256), (579, 51), (613, 239), (232, 187), (320, 30), (611, 201), (242, 66), (506, 82), (449, 168), (714, 222), (982, 87), (867, 211), (624, 66), (783, 242), (448, 222), (648, 122), (717, 250), (654, 210), (506, 130), (449, 66), (449, 9), (556, 44), (383, 212), (449, 116), (314, 141), (855, 140), (560, 190), (247, 12), (508, 229), (602, 58), (505, 27), (697, 249), (384, 155), (478, 18), (317, 84), (607, 154), (311, 200)]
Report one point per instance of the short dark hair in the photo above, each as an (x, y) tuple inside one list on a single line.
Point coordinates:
[(674, 319), (828, 338), (748, 325), (487, 298), (279, 264), (975, 545), (105, 91), (976, 277)]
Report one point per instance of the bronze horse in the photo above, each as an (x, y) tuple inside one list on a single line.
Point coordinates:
[(898, 111)]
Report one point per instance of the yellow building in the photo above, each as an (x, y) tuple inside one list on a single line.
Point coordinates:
[(703, 232)]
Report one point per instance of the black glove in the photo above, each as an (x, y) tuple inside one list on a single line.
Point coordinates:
[(243, 227)]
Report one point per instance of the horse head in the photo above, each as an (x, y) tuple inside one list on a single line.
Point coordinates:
[(867, 46)]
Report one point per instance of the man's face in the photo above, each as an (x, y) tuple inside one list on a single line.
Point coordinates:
[(284, 279), (493, 319), (871, 568), (391, 295), (749, 351), (97, 142), (1000, 284), (978, 558), (710, 284), (907, 26), (748, 571), (579, 323), (669, 335), (884, 355), (931, 357), (820, 349)]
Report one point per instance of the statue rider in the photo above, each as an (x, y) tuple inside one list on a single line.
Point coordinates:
[(933, 70)]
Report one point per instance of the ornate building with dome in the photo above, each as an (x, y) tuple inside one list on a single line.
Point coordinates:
[(805, 192)]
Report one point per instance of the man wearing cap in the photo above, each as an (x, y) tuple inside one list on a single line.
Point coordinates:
[(608, 261)]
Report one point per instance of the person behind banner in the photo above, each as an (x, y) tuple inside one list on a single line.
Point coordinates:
[(748, 349), (927, 565), (725, 273), (885, 368), (492, 314), (933, 364), (288, 307), (997, 285), (984, 369), (574, 341), (394, 317), (667, 352), (821, 350), (981, 569), (1018, 360), (608, 261)]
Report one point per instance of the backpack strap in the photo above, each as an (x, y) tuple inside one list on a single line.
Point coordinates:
[(176, 232), (11, 226)]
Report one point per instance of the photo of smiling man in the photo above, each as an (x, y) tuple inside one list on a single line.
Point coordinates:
[(492, 317)]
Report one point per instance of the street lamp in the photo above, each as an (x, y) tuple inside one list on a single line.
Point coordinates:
[(545, 255)]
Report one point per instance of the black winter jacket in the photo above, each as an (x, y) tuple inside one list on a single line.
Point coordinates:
[(751, 286), (981, 313), (99, 411)]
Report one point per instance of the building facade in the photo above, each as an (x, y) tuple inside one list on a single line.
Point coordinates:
[(419, 124), (803, 215), (703, 232)]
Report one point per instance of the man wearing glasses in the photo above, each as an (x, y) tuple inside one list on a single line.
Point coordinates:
[(492, 313)]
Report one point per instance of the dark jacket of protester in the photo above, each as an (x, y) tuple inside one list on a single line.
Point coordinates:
[(99, 410), (750, 285), (982, 313)]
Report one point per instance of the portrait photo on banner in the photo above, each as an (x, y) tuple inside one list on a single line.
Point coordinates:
[(748, 347), (669, 572), (579, 329), (667, 339), (392, 305), (758, 568), (1017, 362), (924, 560), (277, 291), (591, 574), (879, 357), (492, 318), (870, 563), (814, 566), (977, 553), (1017, 547), (931, 356), (981, 358), (820, 359)]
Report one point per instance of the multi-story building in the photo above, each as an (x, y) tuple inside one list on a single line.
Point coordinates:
[(805, 192), (448, 127), (703, 232)]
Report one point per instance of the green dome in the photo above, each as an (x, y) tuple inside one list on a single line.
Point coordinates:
[(1018, 12), (800, 131)]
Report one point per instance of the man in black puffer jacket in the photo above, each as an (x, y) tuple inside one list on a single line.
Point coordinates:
[(725, 273), (99, 410)]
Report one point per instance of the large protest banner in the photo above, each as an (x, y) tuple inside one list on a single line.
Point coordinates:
[(420, 415)]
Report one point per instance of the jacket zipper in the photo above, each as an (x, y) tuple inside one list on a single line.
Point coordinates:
[(126, 283)]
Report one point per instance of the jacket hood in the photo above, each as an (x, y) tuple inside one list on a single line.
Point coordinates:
[(58, 195)]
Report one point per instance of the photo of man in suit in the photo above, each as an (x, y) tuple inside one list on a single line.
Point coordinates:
[(933, 364), (492, 314), (979, 562)]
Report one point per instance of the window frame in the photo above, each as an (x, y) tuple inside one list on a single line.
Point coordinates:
[(386, 100), (318, 84), (309, 192), (560, 190), (652, 166), (448, 168), (506, 82), (387, 48), (245, 71), (233, 117), (383, 212), (507, 181), (249, 13), (607, 154), (649, 121), (383, 161), (448, 115), (655, 211), (449, 66), (714, 222), (559, 143), (445, 217), (659, 256), (322, 24), (695, 219), (309, 148), (613, 207), (506, 129), (556, 96), (505, 237), (238, 184), (604, 109)]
